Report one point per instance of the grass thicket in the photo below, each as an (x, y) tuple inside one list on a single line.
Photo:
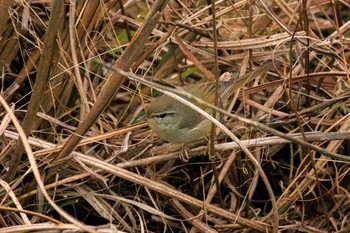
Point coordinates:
[(84, 162)]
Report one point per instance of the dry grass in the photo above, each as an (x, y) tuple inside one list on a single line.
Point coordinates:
[(85, 162)]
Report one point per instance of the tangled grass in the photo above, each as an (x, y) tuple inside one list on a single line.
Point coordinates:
[(76, 76)]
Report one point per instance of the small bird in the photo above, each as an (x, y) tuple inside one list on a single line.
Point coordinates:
[(176, 122)]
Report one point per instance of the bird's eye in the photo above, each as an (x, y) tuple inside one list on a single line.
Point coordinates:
[(162, 115)]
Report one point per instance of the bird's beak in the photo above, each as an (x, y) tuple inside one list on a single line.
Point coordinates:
[(143, 117)]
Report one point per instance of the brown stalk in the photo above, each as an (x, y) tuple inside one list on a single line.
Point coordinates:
[(39, 85), (114, 81)]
